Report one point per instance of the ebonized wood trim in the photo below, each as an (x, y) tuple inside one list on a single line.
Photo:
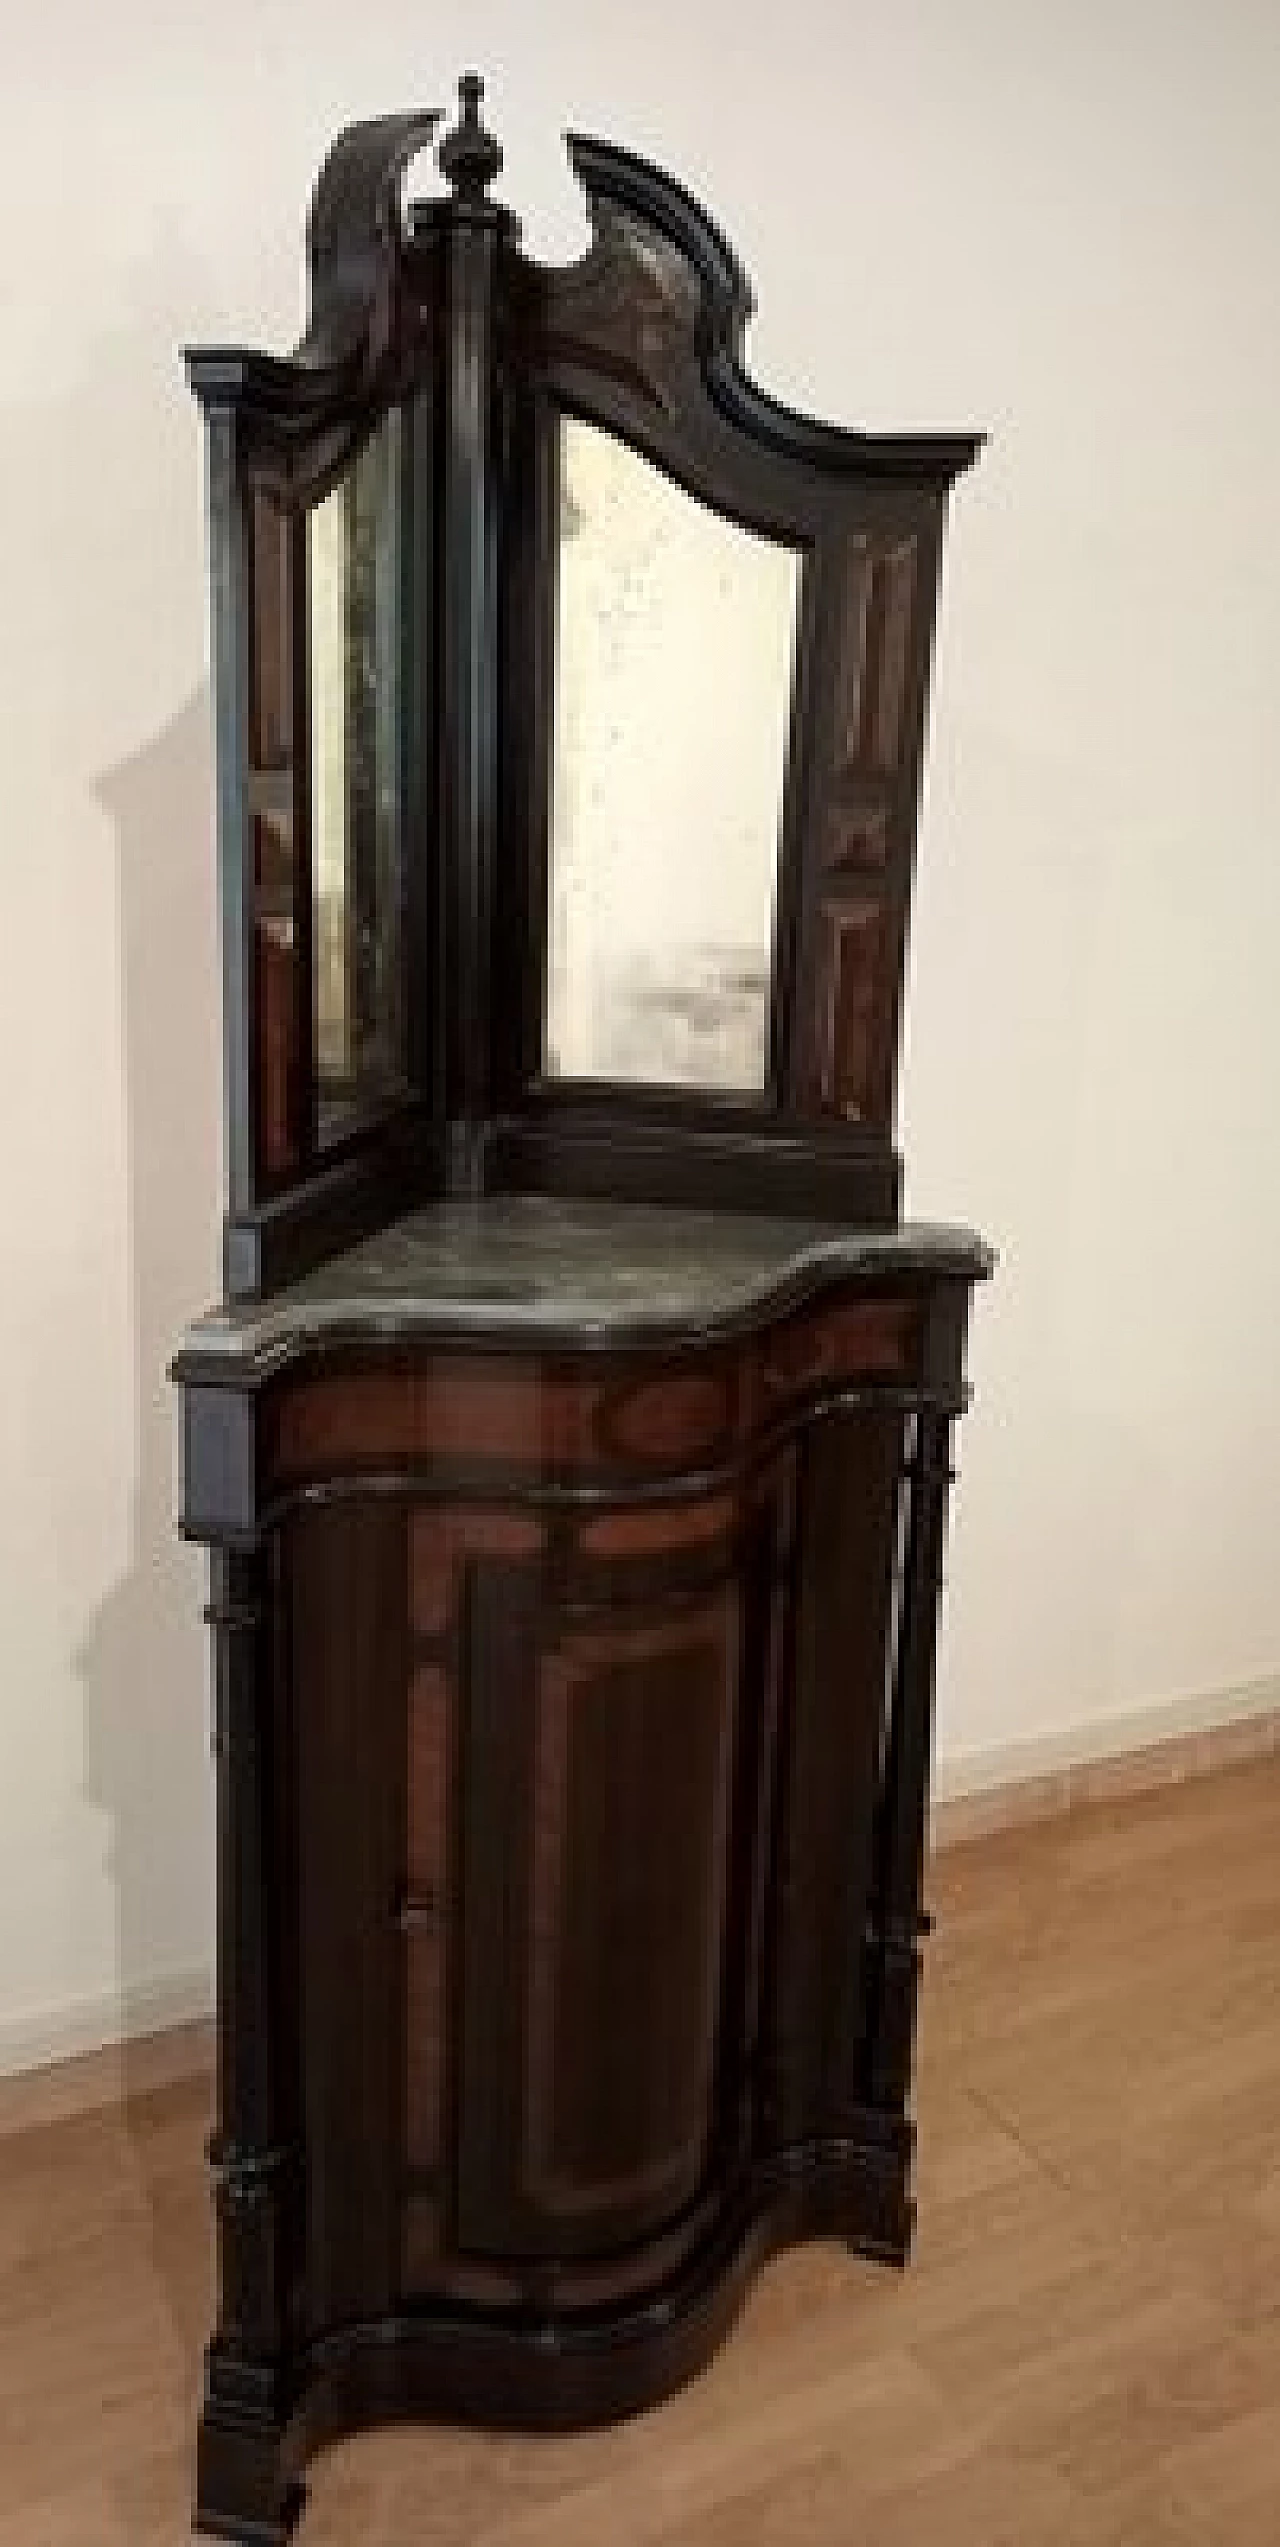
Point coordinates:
[(770, 1168), (351, 1192), (611, 175)]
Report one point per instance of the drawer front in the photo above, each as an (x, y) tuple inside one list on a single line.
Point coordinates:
[(481, 1417), (472, 1422)]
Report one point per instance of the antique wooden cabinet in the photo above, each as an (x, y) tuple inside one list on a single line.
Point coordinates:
[(572, 1441)]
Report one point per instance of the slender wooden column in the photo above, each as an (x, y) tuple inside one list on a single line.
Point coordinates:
[(761, 2086), (473, 232), (242, 2486), (892, 1947)]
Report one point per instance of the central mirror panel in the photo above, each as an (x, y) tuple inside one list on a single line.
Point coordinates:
[(675, 645)]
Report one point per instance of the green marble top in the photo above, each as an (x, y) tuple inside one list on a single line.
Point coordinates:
[(526, 1269)]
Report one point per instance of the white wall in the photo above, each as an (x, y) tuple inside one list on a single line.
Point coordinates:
[(1058, 224)]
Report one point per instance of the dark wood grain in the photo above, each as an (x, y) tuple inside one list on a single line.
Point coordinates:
[(539, 1419), (612, 1833)]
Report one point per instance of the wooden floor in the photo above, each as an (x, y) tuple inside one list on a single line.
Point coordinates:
[(1086, 2346)]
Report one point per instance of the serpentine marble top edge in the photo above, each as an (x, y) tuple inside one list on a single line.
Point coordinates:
[(507, 1270)]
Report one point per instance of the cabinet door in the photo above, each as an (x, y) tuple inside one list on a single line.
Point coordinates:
[(600, 1772)]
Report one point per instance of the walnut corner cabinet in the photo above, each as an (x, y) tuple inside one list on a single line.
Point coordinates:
[(573, 1437)]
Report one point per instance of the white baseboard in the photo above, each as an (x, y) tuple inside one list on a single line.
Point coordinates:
[(988, 1789), (109, 2022)]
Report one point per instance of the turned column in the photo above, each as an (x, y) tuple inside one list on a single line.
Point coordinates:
[(242, 2486), (474, 232), (896, 1917)]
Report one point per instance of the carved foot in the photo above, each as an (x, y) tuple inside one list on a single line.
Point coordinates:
[(889, 2240), (246, 2489), (885, 2226)]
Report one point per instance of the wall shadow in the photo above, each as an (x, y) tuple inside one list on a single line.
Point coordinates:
[(142, 1659)]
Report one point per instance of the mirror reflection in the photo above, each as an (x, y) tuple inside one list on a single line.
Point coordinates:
[(354, 566), (675, 639)]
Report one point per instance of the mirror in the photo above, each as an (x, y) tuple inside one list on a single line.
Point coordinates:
[(354, 563), (675, 641)]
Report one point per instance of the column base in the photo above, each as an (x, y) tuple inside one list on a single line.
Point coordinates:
[(247, 2487)]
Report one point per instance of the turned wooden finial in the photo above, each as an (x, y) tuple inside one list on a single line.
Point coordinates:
[(469, 156)]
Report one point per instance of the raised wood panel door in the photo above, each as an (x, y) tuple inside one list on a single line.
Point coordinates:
[(600, 1774)]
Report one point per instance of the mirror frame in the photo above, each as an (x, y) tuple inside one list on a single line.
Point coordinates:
[(643, 338)]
